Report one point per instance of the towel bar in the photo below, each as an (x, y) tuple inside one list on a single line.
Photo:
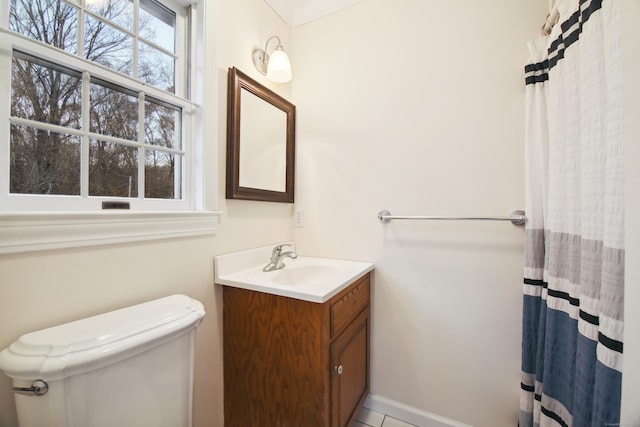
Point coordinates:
[(517, 217)]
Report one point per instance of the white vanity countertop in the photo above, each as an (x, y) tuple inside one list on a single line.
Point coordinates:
[(305, 278)]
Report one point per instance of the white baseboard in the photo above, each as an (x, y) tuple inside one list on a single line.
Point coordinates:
[(408, 414)]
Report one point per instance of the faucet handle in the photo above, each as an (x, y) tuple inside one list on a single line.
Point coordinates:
[(278, 249)]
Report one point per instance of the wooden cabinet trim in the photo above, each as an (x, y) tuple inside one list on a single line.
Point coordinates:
[(348, 305)]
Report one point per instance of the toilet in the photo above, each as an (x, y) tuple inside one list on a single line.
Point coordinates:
[(125, 368)]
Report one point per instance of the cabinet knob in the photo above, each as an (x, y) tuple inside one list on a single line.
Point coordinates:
[(338, 369)]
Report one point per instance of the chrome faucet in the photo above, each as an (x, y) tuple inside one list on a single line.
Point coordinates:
[(277, 258)]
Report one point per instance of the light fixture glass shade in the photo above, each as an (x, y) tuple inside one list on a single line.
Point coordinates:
[(279, 68)]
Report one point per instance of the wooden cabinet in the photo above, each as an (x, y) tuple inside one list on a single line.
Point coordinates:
[(294, 363)]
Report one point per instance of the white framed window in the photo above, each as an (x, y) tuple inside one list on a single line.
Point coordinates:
[(96, 115)]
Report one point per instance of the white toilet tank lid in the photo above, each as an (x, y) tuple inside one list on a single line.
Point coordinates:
[(98, 341)]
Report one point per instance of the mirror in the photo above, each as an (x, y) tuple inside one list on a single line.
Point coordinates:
[(260, 141)]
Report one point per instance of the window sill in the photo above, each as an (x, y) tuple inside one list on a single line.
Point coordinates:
[(26, 232)]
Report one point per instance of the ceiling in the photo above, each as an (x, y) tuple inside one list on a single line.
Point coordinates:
[(298, 12)]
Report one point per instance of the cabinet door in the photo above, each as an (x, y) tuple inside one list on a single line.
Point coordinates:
[(350, 371)]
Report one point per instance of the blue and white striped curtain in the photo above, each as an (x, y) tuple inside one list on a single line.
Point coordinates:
[(574, 256)]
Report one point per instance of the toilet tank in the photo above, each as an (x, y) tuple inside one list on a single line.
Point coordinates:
[(125, 368)]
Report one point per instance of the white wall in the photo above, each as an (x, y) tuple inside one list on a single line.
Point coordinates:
[(47, 288), (417, 107)]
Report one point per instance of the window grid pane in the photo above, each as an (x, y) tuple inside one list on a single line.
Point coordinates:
[(109, 37), (44, 162), (157, 24), (42, 92), (156, 68), (113, 112), (53, 22), (120, 12), (161, 180), (162, 125), (107, 168), (108, 45), (113, 169), (54, 160)]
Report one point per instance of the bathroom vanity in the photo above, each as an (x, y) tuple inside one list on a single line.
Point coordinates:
[(290, 361)]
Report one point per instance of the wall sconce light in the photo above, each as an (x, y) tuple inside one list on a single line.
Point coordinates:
[(276, 67)]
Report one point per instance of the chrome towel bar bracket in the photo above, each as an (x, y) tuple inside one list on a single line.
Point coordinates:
[(517, 217)]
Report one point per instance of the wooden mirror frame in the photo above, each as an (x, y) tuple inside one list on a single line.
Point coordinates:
[(237, 81)]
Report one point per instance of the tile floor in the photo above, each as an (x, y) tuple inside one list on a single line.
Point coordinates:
[(369, 418)]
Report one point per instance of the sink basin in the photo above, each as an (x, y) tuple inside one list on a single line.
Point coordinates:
[(306, 278), (303, 273)]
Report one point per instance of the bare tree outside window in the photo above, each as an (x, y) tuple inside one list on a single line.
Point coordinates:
[(47, 159), (52, 22), (44, 162), (161, 124)]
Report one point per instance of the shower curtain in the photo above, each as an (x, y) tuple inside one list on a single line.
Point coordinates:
[(574, 254)]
